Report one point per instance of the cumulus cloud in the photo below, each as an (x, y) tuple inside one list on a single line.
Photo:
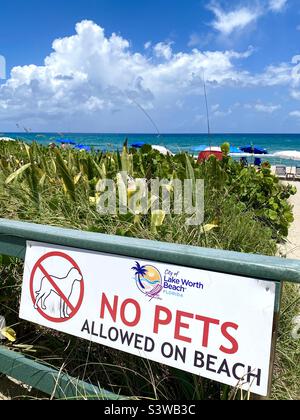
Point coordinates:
[(85, 72), (163, 50), (90, 73)]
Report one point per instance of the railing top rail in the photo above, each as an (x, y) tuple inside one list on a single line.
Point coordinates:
[(14, 234)]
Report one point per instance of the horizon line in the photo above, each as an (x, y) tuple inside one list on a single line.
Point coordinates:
[(147, 133)]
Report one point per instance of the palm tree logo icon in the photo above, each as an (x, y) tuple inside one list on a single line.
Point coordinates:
[(148, 280), (140, 272)]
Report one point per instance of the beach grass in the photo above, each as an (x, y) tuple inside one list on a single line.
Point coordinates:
[(250, 212), (287, 364)]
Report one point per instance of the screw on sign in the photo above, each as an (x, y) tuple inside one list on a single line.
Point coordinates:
[(56, 296)]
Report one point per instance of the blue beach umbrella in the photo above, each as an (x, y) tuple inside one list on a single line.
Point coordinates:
[(138, 145), (66, 141), (256, 150), (83, 147)]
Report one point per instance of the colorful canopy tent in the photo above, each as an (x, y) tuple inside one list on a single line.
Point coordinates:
[(206, 155), (210, 151)]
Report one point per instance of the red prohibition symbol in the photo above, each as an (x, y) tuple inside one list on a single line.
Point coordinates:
[(42, 287)]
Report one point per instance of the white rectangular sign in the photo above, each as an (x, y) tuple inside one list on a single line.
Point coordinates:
[(215, 325)]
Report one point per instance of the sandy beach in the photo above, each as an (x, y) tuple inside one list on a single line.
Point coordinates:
[(292, 248)]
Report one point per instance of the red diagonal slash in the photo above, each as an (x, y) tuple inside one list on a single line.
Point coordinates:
[(56, 288)]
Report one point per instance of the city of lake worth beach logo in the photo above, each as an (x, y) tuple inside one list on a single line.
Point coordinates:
[(148, 280)]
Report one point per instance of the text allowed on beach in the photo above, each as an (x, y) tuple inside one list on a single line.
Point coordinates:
[(160, 197), (214, 325)]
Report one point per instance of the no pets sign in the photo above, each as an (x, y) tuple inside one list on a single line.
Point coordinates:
[(214, 325)]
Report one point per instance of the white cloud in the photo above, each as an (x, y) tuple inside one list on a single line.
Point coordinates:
[(226, 22), (295, 114), (283, 74), (276, 75), (90, 74), (220, 113), (237, 19), (266, 108), (163, 50), (217, 112), (215, 107), (148, 45), (277, 5), (269, 109), (85, 72), (94, 104)]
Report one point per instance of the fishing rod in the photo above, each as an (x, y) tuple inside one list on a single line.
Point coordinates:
[(146, 113), (206, 105)]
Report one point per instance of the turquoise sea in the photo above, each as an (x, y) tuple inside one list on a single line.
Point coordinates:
[(174, 142)]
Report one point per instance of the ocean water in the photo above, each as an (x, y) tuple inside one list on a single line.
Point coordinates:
[(174, 142)]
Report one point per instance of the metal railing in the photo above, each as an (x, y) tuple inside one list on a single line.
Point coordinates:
[(13, 237)]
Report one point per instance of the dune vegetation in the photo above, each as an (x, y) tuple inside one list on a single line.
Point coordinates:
[(246, 210)]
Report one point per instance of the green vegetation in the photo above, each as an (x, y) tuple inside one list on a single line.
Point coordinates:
[(287, 363), (60, 188), (245, 210)]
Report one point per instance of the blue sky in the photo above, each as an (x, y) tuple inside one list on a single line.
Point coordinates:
[(91, 80)]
